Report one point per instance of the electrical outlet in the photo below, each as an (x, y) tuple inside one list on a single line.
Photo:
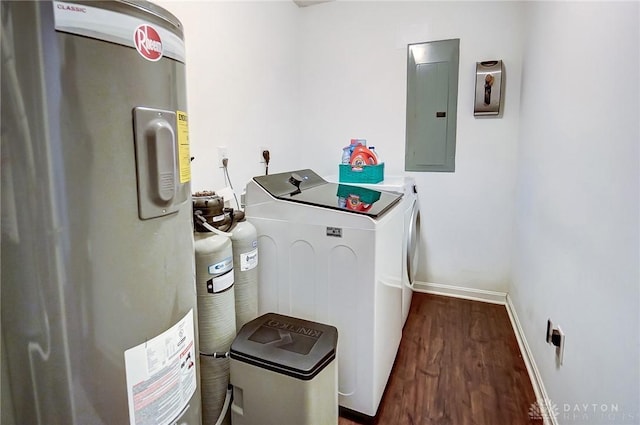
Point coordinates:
[(222, 154), (261, 149), (549, 331), (555, 337), (558, 341)]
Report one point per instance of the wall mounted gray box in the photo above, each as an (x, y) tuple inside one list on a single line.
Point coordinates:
[(432, 103)]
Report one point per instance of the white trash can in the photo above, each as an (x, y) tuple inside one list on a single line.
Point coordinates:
[(284, 372)]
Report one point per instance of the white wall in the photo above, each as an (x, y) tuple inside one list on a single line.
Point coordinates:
[(353, 84), (305, 81), (577, 214), (242, 85)]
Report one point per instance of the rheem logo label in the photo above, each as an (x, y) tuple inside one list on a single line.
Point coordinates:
[(148, 43)]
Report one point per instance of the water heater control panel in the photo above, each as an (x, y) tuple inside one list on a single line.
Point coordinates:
[(160, 191)]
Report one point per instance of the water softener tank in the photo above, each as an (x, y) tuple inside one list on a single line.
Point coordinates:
[(99, 306), (216, 318), (245, 257)]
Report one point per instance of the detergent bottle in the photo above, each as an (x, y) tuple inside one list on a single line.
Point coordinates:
[(346, 155), (375, 153), (347, 151), (362, 156), (355, 143)]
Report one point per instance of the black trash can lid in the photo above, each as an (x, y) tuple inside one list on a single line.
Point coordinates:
[(287, 345)]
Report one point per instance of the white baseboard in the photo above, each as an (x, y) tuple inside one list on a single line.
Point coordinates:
[(500, 298), (461, 292), (534, 375)]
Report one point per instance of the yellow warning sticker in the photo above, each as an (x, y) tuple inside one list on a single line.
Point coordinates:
[(184, 155)]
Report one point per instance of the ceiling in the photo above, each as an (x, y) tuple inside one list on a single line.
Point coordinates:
[(305, 3)]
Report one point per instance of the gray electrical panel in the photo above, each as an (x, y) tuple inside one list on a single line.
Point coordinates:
[(432, 100)]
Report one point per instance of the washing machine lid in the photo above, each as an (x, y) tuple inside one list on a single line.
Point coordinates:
[(307, 187)]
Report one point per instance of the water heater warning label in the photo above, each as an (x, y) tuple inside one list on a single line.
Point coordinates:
[(184, 154), (161, 375)]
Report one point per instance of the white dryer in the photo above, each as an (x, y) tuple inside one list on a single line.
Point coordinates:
[(332, 253), (411, 239)]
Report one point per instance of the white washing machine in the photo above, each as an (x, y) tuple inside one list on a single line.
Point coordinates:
[(332, 253), (411, 239)]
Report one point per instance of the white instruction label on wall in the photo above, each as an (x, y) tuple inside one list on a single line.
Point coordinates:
[(161, 375), (249, 260)]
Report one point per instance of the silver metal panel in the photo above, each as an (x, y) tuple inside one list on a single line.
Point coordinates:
[(83, 278), (429, 129), (157, 162), (432, 102), (488, 91)]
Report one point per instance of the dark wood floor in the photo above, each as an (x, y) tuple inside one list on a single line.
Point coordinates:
[(458, 364)]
